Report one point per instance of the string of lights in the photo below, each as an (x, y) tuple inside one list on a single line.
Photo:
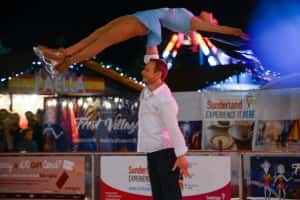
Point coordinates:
[(75, 68), (253, 76)]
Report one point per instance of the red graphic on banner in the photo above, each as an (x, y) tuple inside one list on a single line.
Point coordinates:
[(107, 192)]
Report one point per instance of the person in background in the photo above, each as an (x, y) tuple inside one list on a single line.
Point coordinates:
[(30, 117), (4, 115), (15, 129), (35, 123), (27, 144), (38, 129)]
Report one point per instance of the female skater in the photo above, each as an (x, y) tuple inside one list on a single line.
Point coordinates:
[(140, 23)]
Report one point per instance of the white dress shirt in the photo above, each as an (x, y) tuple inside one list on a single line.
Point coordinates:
[(158, 124)]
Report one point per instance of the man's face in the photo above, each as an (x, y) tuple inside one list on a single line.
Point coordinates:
[(149, 74)]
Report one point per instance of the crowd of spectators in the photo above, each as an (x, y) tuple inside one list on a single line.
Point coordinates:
[(13, 138)]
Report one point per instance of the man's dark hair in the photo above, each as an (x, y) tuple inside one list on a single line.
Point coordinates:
[(161, 66)]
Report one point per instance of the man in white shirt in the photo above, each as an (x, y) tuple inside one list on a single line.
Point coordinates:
[(159, 134)]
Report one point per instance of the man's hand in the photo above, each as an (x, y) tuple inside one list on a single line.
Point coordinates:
[(183, 164)]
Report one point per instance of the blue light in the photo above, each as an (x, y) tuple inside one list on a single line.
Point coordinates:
[(223, 58), (165, 54), (233, 87), (275, 35), (212, 61), (169, 64)]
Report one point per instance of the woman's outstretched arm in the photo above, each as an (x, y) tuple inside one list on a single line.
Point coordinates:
[(198, 24)]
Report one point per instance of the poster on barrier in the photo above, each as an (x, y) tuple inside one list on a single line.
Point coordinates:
[(228, 120), (108, 122), (278, 135), (36, 177), (126, 178), (278, 116), (274, 177), (103, 123), (192, 132)]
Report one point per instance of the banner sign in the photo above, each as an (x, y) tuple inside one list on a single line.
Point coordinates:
[(192, 132), (126, 178), (67, 84), (279, 135), (55, 177), (106, 123), (275, 177), (228, 106), (228, 120)]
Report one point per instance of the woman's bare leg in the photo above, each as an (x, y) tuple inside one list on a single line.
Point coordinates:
[(58, 55), (90, 38), (121, 29)]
